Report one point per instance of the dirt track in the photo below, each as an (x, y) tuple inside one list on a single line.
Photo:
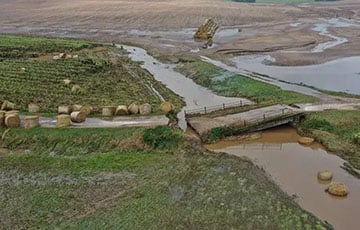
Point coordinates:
[(167, 26)]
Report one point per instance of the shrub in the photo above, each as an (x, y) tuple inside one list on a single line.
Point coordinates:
[(356, 138), (323, 125), (162, 137), (216, 134)]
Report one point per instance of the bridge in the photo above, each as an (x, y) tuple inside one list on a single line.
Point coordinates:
[(210, 128)]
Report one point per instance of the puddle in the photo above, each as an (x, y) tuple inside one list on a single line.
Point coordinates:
[(195, 96), (294, 168), (295, 24)]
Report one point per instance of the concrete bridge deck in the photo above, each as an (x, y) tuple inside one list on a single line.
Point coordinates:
[(283, 113)]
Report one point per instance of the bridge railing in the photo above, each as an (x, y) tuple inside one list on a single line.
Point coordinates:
[(268, 115), (209, 109)]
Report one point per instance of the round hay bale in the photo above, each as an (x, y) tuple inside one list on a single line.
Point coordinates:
[(67, 81), (121, 110), (62, 55), (32, 122), (7, 105), (325, 175), (145, 109), (75, 56), (64, 109), (86, 109), (167, 107), (76, 108), (63, 121), (2, 118), (338, 189), (8, 113), (68, 56), (133, 108), (78, 117), (56, 57), (108, 111), (33, 108), (12, 120), (306, 140)]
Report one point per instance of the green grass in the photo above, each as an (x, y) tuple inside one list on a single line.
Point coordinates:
[(17, 46), (71, 141), (147, 190), (336, 130), (105, 74), (228, 84)]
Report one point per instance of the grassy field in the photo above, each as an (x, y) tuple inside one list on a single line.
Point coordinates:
[(229, 84), (104, 74), (145, 188), (336, 130)]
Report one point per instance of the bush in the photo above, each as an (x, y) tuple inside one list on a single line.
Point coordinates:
[(216, 134), (162, 137), (356, 138), (323, 125)]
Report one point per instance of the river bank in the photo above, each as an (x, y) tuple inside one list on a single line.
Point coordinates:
[(294, 168)]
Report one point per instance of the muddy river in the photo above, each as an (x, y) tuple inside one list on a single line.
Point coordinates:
[(294, 168), (195, 96)]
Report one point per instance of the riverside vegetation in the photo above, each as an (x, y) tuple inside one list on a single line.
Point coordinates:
[(128, 178), (230, 84), (164, 182), (338, 131)]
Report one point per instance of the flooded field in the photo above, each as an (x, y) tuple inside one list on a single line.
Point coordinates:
[(342, 75), (294, 168)]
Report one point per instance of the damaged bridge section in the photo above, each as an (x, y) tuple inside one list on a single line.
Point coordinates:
[(212, 128)]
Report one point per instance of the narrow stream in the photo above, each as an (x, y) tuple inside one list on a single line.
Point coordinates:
[(195, 96), (294, 168), (322, 28)]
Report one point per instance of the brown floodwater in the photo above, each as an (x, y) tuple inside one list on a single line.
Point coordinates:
[(294, 168)]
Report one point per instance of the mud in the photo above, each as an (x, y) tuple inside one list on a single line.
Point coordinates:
[(294, 168), (167, 27)]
